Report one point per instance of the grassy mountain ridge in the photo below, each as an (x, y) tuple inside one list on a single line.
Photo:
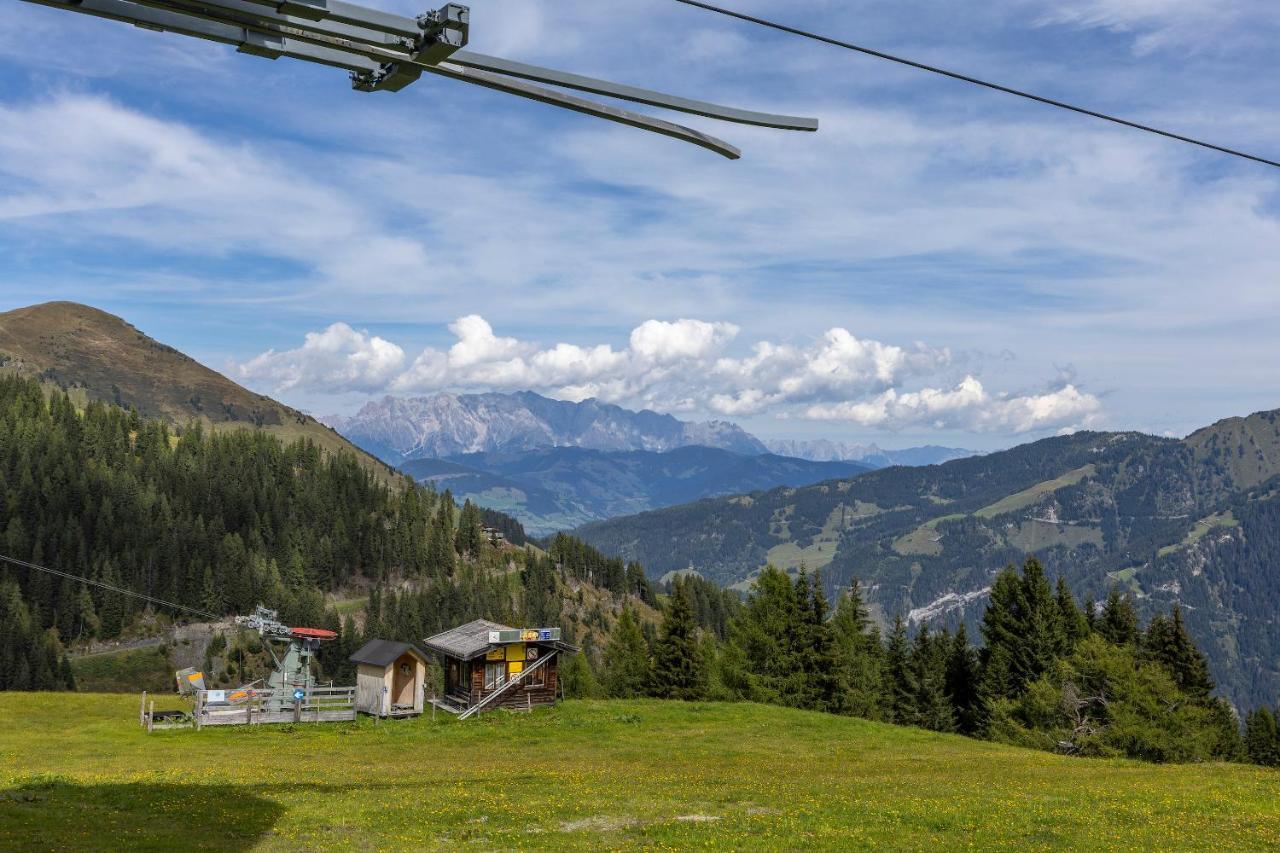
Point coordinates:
[(1190, 522), (98, 356)]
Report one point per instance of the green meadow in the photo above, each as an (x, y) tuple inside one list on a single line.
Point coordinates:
[(77, 772)]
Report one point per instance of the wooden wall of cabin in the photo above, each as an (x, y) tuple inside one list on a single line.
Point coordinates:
[(523, 695)]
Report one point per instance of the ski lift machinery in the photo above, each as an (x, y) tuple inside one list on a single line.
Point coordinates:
[(386, 53), (291, 649)]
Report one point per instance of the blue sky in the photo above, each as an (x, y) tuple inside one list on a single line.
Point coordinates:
[(938, 264)]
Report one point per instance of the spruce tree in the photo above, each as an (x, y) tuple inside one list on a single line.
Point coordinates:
[(1118, 623), (860, 656), (1262, 738), (962, 682), (928, 680), (899, 686), (626, 660), (677, 665)]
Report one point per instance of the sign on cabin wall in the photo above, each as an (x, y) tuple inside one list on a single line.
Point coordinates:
[(515, 666), (515, 653), (525, 635), (496, 654)]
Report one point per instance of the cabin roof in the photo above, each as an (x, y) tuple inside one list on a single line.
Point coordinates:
[(466, 641), (472, 640), (384, 652)]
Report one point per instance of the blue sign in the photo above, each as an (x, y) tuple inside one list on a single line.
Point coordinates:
[(299, 694), (544, 634)]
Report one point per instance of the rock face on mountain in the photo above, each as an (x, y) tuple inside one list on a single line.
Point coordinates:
[(98, 356), (824, 450), (1194, 522), (444, 425)]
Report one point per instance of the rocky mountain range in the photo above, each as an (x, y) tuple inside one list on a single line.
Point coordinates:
[(443, 425), (825, 450)]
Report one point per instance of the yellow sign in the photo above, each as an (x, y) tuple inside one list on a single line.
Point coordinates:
[(195, 676), (496, 654), (515, 666), (515, 651)]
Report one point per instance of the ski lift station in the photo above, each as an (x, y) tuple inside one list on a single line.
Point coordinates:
[(487, 665), (390, 679)]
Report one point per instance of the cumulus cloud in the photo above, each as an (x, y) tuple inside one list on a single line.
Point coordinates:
[(682, 366), (339, 357), (968, 406)]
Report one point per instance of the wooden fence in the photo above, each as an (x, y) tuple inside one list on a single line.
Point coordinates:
[(250, 706), (255, 707)]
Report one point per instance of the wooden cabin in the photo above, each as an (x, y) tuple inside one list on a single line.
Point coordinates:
[(390, 678), (487, 665)]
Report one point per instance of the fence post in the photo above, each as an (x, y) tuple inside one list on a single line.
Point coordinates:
[(199, 707), (297, 710), (151, 717), (142, 712)]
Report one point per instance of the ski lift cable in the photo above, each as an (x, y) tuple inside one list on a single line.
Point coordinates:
[(121, 590), (964, 78)]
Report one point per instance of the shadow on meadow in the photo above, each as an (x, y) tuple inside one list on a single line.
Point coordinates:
[(52, 812)]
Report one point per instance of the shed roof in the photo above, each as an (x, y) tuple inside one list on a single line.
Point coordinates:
[(384, 652), (472, 640)]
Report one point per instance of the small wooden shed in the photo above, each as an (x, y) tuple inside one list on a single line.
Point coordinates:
[(487, 665), (390, 678)]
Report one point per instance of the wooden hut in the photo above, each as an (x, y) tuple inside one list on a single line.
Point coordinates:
[(389, 678), (487, 665)]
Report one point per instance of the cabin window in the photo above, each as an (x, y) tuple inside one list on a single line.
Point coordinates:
[(495, 675), (537, 678)]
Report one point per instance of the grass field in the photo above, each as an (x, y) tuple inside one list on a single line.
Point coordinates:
[(77, 772)]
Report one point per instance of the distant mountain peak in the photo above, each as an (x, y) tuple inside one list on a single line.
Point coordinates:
[(445, 424), (824, 450)]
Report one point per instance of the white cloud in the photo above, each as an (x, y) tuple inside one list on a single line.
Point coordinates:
[(339, 357), (969, 407), (663, 342), (681, 366), (1158, 24)]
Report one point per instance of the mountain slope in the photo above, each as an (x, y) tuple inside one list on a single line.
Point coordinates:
[(98, 356), (1194, 522), (557, 488), (445, 425)]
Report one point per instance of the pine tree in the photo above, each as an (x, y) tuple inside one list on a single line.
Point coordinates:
[(860, 657), (765, 664), (1075, 625), (1262, 738), (962, 682), (677, 665), (626, 660), (821, 660), (1118, 623), (897, 670), (928, 680)]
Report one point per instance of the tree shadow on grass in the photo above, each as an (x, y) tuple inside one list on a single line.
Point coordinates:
[(45, 813)]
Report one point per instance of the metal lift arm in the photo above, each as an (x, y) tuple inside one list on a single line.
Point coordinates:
[(385, 52)]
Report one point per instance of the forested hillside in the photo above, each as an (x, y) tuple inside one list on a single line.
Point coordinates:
[(1175, 522), (96, 356), (557, 488), (221, 522)]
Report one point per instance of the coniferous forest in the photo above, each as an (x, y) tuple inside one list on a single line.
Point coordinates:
[(220, 522)]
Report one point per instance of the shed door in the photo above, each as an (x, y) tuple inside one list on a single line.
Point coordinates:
[(404, 680)]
